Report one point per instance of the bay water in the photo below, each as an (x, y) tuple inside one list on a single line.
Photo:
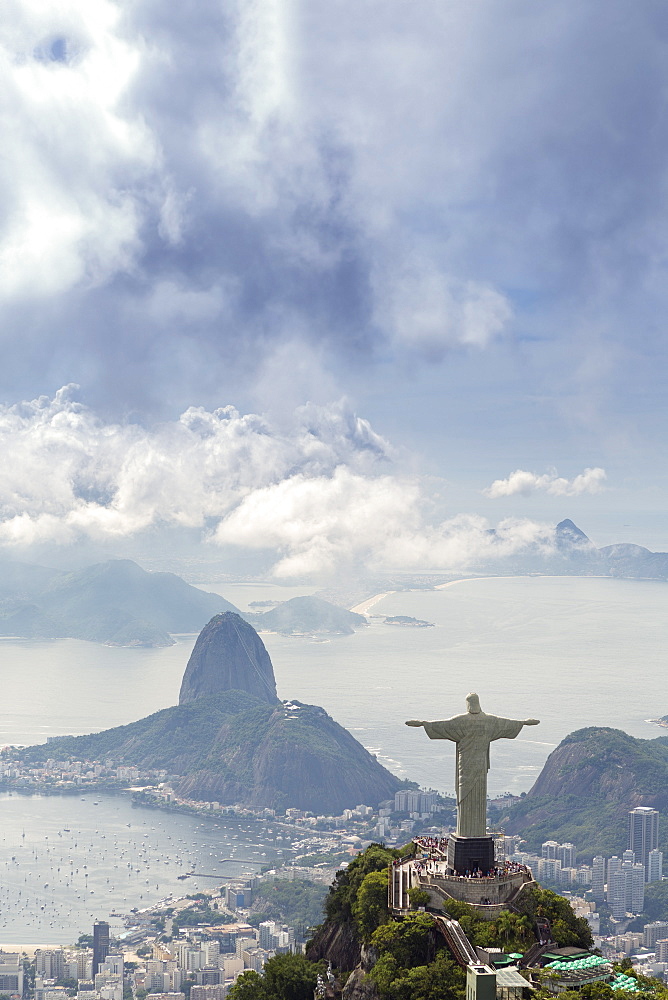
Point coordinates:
[(68, 860)]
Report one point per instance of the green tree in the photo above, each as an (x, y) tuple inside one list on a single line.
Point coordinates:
[(409, 941), (418, 897), (296, 901), (439, 980), (284, 977), (186, 986), (290, 977), (505, 925), (566, 927), (249, 986), (524, 928), (343, 891), (656, 901), (564, 935), (370, 906), (597, 991)]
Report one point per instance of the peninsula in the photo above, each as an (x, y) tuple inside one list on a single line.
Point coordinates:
[(230, 739)]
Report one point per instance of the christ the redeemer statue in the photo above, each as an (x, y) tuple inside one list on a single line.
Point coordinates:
[(473, 733)]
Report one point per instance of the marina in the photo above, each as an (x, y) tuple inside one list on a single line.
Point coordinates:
[(67, 861)]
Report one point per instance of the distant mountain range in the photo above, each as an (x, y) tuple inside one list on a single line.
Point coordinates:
[(587, 787), (116, 602), (119, 603), (575, 554), (231, 740)]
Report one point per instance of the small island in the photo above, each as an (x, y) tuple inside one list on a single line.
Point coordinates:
[(663, 721), (407, 622), (307, 616)]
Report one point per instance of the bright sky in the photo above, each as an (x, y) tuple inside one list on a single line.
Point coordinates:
[(341, 284)]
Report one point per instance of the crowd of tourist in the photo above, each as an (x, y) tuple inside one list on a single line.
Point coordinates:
[(430, 865), (499, 871), (430, 844), (431, 860)]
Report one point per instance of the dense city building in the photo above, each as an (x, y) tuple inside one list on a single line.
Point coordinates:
[(626, 889), (655, 865), (643, 833), (598, 878), (11, 973), (100, 944)]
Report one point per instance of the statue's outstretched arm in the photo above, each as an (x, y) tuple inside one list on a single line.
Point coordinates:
[(531, 722), (414, 722)]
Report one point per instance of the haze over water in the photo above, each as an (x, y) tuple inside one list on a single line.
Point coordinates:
[(571, 652)]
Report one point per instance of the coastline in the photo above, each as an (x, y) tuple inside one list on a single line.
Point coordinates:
[(363, 607)]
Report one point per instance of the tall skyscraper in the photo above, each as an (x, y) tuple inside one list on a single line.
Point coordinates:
[(566, 853), (643, 833), (549, 868), (657, 929), (100, 944), (614, 865), (655, 866), (626, 889), (49, 962), (598, 878), (617, 893), (637, 900)]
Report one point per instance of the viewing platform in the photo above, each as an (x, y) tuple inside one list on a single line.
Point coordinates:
[(490, 892)]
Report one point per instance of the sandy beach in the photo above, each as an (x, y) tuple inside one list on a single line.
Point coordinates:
[(363, 608)]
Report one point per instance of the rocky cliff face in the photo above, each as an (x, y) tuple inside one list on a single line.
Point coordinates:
[(339, 943), (228, 656)]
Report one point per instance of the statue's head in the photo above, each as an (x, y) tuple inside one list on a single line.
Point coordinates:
[(473, 704)]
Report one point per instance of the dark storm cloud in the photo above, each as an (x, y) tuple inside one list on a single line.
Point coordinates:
[(188, 188)]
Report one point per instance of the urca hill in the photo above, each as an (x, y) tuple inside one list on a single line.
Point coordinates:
[(231, 740), (586, 788)]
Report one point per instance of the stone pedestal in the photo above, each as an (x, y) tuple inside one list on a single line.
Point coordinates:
[(470, 853)]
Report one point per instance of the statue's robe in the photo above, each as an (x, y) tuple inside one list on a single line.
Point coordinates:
[(473, 733)]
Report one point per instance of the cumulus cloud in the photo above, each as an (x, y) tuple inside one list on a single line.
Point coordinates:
[(525, 483), (67, 474), (327, 526), (433, 312), (319, 497)]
